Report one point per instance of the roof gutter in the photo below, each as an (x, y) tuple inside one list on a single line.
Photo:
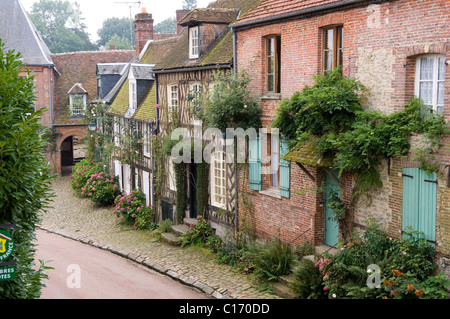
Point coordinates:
[(194, 68), (322, 9)]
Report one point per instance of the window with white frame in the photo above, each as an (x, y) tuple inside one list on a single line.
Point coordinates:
[(274, 161), (429, 81), (173, 98), (194, 95), (147, 130), (193, 42), (77, 104), (218, 179), (171, 175)]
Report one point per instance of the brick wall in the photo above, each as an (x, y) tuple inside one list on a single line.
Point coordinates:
[(381, 44)]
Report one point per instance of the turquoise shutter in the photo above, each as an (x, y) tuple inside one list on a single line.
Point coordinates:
[(410, 199), (419, 202), (427, 205), (285, 169), (254, 151)]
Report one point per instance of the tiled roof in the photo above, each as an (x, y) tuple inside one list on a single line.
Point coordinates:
[(275, 8), (219, 52), (308, 154), (80, 68), (210, 15), (146, 111), (120, 104)]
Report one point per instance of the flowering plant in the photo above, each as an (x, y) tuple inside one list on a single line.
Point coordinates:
[(81, 172), (101, 188), (131, 209)]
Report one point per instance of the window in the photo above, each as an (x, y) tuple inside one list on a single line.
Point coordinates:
[(194, 95), (193, 43), (133, 95), (273, 63), (77, 104), (147, 139), (333, 39), (173, 99), (218, 179), (429, 81)]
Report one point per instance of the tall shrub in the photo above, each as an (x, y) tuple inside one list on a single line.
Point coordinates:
[(24, 174)]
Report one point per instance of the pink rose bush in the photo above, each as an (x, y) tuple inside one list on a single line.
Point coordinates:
[(100, 188), (132, 209), (81, 172)]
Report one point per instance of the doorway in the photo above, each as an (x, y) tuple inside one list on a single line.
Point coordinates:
[(332, 192)]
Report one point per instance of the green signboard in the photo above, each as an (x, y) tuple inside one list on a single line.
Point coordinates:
[(7, 271)]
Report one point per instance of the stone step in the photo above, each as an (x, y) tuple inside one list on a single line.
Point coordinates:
[(287, 280), (170, 239), (322, 248), (190, 221), (179, 229), (313, 258), (283, 291)]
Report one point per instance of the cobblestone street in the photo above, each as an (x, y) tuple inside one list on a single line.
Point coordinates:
[(80, 219)]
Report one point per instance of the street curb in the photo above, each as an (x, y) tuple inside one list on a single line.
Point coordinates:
[(216, 293)]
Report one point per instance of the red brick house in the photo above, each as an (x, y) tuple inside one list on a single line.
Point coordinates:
[(75, 87), (398, 49)]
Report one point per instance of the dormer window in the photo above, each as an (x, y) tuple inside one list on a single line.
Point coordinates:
[(193, 42), (77, 100)]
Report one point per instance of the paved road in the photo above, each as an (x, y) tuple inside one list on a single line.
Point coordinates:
[(85, 272)]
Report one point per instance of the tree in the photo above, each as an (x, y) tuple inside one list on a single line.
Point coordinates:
[(189, 4), (168, 25), (119, 43), (122, 27), (24, 174), (61, 26)]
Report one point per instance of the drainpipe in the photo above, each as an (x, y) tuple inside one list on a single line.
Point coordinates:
[(50, 95), (155, 129)]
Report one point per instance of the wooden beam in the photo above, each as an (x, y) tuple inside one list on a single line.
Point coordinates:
[(306, 171), (330, 173)]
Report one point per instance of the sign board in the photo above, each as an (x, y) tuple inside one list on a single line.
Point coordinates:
[(7, 269)]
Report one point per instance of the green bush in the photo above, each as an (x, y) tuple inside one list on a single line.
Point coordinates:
[(24, 174), (346, 273), (308, 281), (197, 234), (273, 259), (81, 173), (229, 253), (101, 188), (132, 209)]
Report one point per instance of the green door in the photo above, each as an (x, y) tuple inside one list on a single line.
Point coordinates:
[(419, 202), (332, 189)]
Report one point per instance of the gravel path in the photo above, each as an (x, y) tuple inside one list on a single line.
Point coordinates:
[(79, 218)]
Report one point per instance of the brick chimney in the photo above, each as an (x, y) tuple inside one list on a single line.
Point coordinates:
[(180, 15), (143, 29)]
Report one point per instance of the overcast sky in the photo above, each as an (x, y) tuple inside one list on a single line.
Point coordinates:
[(97, 11)]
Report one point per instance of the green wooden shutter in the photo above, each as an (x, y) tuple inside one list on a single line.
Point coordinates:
[(410, 199), (254, 163), (419, 202), (427, 205), (285, 169)]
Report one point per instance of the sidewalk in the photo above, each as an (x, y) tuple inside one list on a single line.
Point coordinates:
[(80, 219)]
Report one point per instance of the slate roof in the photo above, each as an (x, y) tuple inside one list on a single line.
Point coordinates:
[(18, 32)]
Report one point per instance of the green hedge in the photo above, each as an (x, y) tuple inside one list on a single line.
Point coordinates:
[(24, 174)]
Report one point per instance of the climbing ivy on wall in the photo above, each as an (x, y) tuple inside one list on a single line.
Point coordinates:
[(329, 114)]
